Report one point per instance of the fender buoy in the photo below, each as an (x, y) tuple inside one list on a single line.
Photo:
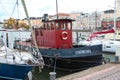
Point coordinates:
[(64, 35), (29, 75)]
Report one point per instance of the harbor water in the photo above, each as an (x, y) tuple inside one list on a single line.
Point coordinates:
[(44, 74)]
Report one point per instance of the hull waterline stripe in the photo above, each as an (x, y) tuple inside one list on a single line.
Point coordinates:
[(10, 78)]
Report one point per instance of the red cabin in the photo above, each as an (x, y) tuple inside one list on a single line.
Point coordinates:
[(55, 34)]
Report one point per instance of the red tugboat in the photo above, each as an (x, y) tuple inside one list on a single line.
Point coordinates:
[(54, 40)]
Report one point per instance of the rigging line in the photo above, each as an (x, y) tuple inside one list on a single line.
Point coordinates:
[(18, 8), (14, 8), (33, 35), (4, 8)]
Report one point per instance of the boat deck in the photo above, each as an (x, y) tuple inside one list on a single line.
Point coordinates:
[(109, 71)]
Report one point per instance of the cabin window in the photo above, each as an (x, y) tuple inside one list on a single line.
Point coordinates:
[(44, 26), (57, 25), (63, 26), (108, 47), (69, 25), (52, 25), (118, 33), (41, 33), (48, 26)]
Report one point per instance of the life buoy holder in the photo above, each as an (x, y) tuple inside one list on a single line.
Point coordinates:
[(64, 35)]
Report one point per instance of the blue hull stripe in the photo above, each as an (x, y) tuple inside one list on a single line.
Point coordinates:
[(10, 78)]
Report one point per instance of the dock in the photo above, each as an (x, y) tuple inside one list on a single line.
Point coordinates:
[(109, 71)]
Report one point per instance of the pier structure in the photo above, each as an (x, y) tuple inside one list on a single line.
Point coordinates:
[(109, 71)]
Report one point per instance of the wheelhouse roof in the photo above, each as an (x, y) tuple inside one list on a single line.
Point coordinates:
[(65, 19)]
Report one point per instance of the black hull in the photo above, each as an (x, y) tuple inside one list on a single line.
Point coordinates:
[(73, 59), (73, 64)]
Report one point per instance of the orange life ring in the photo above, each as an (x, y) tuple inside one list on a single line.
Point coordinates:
[(64, 35)]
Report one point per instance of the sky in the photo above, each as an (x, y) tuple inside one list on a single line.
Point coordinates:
[(36, 8)]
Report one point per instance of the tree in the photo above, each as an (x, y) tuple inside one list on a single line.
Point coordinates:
[(10, 24)]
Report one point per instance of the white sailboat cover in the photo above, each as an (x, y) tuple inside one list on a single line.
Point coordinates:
[(12, 56)]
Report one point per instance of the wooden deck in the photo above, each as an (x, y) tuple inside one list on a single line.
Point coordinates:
[(109, 71)]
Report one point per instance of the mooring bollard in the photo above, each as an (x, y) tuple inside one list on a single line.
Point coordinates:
[(52, 75)]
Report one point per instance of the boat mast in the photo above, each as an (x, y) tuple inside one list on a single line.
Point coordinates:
[(115, 20), (57, 8), (95, 20), (28, 19)]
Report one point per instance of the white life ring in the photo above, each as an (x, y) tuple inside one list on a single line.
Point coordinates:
[(64, 35)]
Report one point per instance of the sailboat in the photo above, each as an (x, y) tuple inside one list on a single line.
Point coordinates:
[(107, 45), (15, 64)]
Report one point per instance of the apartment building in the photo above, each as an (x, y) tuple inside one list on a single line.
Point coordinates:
[(35, 21)]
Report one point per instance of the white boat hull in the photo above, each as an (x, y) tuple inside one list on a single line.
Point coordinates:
[(107, 46)]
